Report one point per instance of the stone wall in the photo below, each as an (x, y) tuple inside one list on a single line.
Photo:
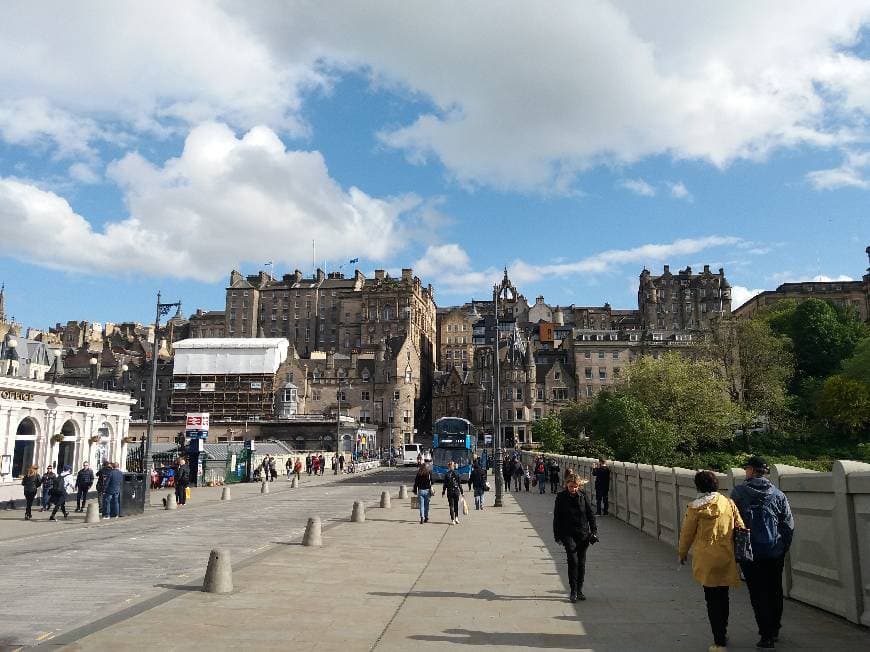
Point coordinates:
[(828, 565)]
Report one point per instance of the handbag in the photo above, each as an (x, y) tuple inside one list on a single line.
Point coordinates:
[(187, 493), (742, 540), (486, 487), (464, 507)]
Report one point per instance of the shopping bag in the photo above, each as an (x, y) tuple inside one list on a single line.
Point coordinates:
[(464, 507), (187, 493), (534, 482)]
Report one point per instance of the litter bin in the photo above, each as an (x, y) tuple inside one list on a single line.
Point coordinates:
[(133, 494)]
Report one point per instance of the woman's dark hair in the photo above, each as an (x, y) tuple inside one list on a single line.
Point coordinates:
[(706, 481), (422, 470)]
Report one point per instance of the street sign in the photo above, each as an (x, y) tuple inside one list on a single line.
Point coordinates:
[(487, 439), (196, 425)]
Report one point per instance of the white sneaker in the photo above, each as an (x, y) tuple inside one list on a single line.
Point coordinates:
[(457, 521), (453, 522)]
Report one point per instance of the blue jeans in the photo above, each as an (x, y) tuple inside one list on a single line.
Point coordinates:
[(46, 497), (424, 495), (111, 505), (542, 483), (478, 498)]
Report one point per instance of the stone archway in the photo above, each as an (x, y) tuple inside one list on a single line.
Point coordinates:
[(25, 446), (66, 449)]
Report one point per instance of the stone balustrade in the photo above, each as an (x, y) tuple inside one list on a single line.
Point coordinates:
[(828, 565)]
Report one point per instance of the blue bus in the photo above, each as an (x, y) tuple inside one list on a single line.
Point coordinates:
[(454, 440)]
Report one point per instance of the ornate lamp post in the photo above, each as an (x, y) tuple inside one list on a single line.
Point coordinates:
[(497, 434)]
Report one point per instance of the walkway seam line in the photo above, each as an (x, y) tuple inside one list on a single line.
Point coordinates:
[(409, 591)]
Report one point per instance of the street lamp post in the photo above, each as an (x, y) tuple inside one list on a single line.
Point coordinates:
[(162, 309), (497, 435), (93, 366)]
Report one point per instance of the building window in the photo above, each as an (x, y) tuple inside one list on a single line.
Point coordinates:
[(537, 414), (601, 355), (396, 395), (365, 395), (587, 354), (589, 393), (519, 394), (519, 414), (540, 393), (602, 373), (365, 375), (315, 394), (616, 355), (364, 416), (406, 416), (588, 373)]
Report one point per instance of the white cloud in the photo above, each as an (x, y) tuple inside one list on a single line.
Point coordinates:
[(679, 191), (852, 173), (741, 294), (638, 187), (548, 93), (451, 265), (83, 173), (224, 201)]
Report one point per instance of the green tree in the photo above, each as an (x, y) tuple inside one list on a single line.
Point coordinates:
[(627, 427), (857, 366), (691, 396), (823, 335), (845, 402), (757, 365), (549, 434)]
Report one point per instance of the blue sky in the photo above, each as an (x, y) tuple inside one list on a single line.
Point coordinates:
[(159, 147)]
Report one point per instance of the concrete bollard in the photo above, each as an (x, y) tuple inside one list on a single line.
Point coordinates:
[(264, 488), (359, 512), (226, 494), (313, 533), (403, 492), (92, 515), (295, 483), (415, 502), (385, 500), (219, 574), (170, 502), (11, 504)]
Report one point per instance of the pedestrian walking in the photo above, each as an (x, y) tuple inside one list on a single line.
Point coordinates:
[(297, 470), (341, 463), (112, 492), (708, 529), (182, 481), (574, 527), (102, 477), (308, 463), (767, 514), (47, 485), (322, 464), (62, 484), (555, 485), (477, 483), (518, 474), (315, 464), (507, 472), (334, 465), (527, 477), (541, 475), (453, 488), (423, 491), (273, 470), (288, 465), (31, 483), (84, 482), (601, 473)]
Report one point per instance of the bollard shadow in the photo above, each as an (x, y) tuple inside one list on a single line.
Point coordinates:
[(489, 596), (180, 587), (391, 520), (539, 640)]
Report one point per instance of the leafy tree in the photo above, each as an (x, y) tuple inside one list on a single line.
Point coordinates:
[(624, 422), (690, 396), (757, 365), (823, 335), (857, 366), (846, 403), (549, 434)]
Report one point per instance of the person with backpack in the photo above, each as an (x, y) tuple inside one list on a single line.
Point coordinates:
[(453, 488), (708, 529), (48, 479), (554, 477), (541, 475), (62, 485), (601, 473), (767, 514)]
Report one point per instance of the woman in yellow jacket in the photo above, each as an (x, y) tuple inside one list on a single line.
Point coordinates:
[(708, 528)]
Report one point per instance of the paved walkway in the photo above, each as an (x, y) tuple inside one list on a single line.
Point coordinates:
[(495, 581)]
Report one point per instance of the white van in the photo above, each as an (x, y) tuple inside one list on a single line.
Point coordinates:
[(410, 453)]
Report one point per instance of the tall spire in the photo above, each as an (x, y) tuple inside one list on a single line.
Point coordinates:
[(2, 303)]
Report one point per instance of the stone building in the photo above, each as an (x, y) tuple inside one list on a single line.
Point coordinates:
[(552, 356), (853, 294), (455, 327)]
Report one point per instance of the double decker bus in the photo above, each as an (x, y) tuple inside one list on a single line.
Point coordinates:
[(454, 440)]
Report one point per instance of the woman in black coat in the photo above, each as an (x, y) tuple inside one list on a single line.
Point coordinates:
[(423, 490), (574, 527), (453, 489), (31, 482)]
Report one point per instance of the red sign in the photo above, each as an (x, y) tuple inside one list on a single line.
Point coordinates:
[(197, 421)]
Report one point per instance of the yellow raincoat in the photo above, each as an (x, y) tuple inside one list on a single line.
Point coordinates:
[(708, 528)]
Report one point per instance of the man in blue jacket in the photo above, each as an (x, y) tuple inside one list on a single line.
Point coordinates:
[(766, 512), (112, 493), (84, 482)]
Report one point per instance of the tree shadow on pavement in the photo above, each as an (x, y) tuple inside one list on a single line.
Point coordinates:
[(539, 640), (482, 595)]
